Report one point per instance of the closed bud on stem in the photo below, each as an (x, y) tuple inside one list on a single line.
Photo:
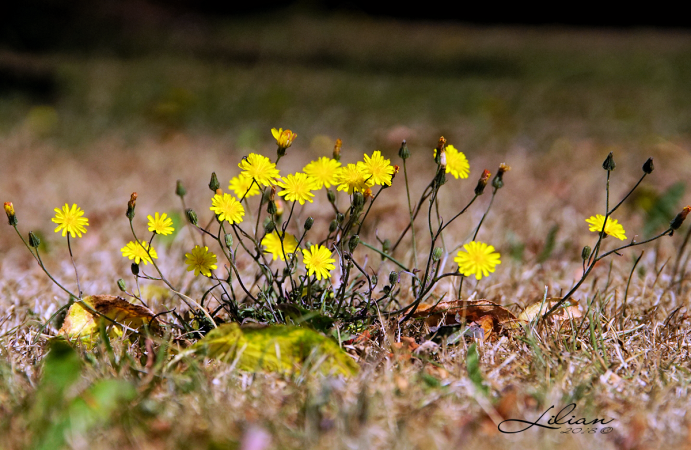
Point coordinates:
[(374, 279), (268, 225), (648, 167), (340, 218), (135, 269), (609, 165), (386, 246), (131, 205), (585, 253), (308, 223), (337, 150), (229, 240), (333, 226), (403, 152), (330, 195), (393, 277), (441, 146), (11, 216), (436, 254), (358, 200), (34, 241), (121, 285), (679, 219), (498, 180), (191, 216), (180, 190), (271, 208), (353, 242), (214, 184), (482, 182)]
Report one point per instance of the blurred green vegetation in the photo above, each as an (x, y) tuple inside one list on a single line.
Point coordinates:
[(363, 79)]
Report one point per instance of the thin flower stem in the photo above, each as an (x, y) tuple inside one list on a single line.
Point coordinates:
[(482, 220), (410, 211), (418, 207), (384, 255), (368, 208), (76, 274), (184, 212), (40, 263), (627, 195)]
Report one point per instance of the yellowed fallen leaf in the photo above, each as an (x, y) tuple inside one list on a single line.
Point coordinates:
[(568, 311), (277, 348), (83, 324)]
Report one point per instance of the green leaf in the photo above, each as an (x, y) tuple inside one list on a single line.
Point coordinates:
[(279, 348), (473, 364)]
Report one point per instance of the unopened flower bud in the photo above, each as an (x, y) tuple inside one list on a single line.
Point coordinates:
[(330, 195), (268, 225), (229, 240), (498, 180), (436, 254), (353, 243), (441, 145), (482, 182), (648, 167), (585, 253), (34, 241), (337, 150), (192, 216), (358, 200), (121, 285), (374, 279), (679, 219), (333, 226), (131, 205), (340, 217), (135, 269), (308, 223), (386, 246), (11, 216), (393, 277), (180, 190), (609, 165), (403, 152), (214, 184), (271, 208)]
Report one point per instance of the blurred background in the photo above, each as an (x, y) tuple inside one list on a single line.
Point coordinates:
[(99, 99)]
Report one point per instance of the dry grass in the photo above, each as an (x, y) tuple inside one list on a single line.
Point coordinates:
[(634, 369)]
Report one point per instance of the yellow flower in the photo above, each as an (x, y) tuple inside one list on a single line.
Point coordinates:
[(161, 224), (243, 186), (138, 252), (318, 261), (456, 162), (323, 171), (297, 187), (352, 179), (377, 169), (478, 259), (201, 260), (284, 139), (613, 227), (70, 220), (226, 207), (260, 168), (272, 244)]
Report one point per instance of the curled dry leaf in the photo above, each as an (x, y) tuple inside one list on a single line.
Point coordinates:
[(466, 311), (83, 324), (568, 311)]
